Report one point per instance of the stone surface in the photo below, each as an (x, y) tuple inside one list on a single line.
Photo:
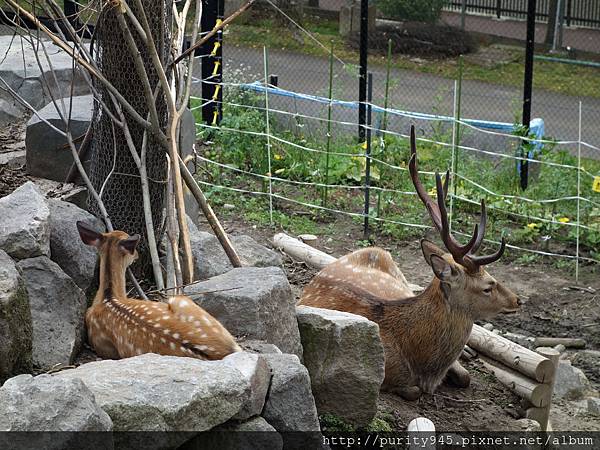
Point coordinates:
[(210, 259), (529, 425), (253, 434), (57, 312), (24, 231), (20, 70), (345, 359), (165, 393), (593, 406), (47, 403), (571, 383), (257, 346), (255, 302), (48, 154), (290, 405), (74, 257), (15, 321), (255, 369)]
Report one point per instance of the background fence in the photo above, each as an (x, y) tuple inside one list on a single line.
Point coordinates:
[(576, 12)]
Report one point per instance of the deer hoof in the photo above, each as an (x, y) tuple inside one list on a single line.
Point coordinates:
[(409, 393)]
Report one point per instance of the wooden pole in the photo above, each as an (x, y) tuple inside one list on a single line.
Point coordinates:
[(542, 414), (512, 355), (537, 393), (552, 341)]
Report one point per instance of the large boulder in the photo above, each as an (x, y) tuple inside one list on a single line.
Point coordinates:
[(570, 383), (255, 302), (24, 231), (166, 393), (290, 405), (47, 403), (48, 154), (253, 434), (19, 68), (57, 312), (258, 373), (210, 259), (345, 359), (15, 321), (73, 256)]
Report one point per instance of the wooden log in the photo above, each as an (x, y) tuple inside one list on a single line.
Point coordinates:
[(542, 415), (301, 251), (510, 354), (311, 256), (552, 341), (537, 393)]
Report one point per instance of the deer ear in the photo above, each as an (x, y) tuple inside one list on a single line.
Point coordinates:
[(429, 248), (88, 235), (443, 269), (130, 243)]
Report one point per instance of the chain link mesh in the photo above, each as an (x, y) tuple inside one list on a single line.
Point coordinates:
[(112, 165)]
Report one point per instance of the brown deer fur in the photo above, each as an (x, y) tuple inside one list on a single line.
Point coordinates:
[(120, 327), (422, 335)]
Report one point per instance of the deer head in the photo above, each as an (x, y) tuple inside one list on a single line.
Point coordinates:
[(117, 251), (463, 279)]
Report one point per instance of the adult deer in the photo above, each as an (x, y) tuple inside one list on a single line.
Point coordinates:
[(422, 335), (120, 327)]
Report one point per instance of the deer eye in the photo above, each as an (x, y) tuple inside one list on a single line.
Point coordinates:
[(488, 290)]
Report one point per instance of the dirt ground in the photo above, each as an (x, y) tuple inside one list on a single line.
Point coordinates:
[(554, 306)]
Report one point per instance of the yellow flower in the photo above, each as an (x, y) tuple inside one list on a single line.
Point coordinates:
[(278, 157), (279, 171), (533, 226), (563, 219)]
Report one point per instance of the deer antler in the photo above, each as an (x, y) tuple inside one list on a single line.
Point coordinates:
[(462, 254)]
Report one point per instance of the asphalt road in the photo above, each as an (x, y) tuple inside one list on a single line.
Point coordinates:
[(413, 91)]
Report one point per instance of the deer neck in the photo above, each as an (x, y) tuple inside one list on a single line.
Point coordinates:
[(112, 276)]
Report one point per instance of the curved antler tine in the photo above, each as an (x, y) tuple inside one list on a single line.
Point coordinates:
[(482, 225), (488, 259), (446, 183)]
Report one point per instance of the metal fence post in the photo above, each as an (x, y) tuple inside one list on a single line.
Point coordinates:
[(362, 81), (368, 156), (528, 86), (212, 62)]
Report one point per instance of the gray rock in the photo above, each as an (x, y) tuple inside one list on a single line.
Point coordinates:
[(255, 369), (12, 159), (290, 406), (15, 321), (48, 154), (570, 383), (345, 359), (47, 403), (593, 406), (165, 393), (24, 232), (73, 256), (20, 70), (210, 259), (255, 302), (57, 312), (529, 425), (253, 434), (257, 346)]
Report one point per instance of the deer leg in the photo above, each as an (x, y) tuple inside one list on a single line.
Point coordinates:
[(409, 393), (458, 376)]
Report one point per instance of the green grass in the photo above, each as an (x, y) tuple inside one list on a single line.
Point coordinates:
[(555, 77), (522, 223)]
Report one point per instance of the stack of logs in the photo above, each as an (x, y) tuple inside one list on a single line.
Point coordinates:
[(529, 374)]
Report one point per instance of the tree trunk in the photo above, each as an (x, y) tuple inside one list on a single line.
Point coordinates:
[(113, 169)]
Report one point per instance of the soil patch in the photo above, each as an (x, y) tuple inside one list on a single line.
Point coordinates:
[(416, 39)]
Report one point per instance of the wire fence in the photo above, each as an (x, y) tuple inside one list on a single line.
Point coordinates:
[(288, 139), (263, 123)]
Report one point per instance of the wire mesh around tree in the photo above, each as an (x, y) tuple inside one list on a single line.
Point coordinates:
[(113, 170)]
